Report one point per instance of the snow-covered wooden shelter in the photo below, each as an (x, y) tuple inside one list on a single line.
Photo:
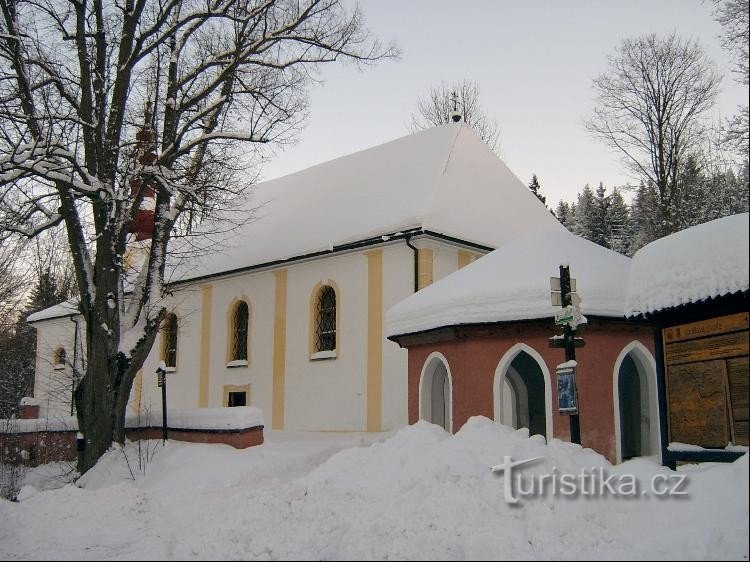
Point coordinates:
[(694, 286)]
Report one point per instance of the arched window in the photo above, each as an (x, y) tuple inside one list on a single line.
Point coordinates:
[(169, 351), (325, 319), (240, 325), (59, 358)]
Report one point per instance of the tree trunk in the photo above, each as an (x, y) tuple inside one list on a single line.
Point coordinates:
[(95, 402)]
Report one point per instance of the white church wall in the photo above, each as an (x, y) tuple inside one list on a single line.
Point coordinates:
[(257, 289), (182, 383), (398, 283), (327, 394), (318, 394)]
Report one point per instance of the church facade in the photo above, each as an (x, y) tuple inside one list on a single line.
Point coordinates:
[(288, 314)]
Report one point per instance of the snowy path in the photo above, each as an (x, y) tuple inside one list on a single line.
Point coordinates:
[(420, 494)]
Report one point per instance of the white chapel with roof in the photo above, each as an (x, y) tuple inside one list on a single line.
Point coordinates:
[(289, 315)]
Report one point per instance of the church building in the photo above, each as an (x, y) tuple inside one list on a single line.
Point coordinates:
[(288, 313)]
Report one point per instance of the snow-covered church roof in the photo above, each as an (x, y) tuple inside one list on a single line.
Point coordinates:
[(702, 262), (444, 180), (513, 283)]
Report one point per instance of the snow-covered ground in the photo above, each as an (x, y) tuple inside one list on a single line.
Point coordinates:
[(416, 494)]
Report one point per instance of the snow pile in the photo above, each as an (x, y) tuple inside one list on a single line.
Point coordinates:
[(422, 494), (513, 283), (64, 423), (705, 261), (240, 417)]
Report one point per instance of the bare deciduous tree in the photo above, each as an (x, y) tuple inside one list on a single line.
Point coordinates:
[(649, 107), (106, 104), (438, 106), (734, 17)]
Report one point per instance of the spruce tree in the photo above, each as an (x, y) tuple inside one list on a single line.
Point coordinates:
[(598, 222), (536, 189), (618, 222), (584, 213)]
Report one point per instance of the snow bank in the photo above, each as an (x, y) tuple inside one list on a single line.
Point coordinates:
[(513, 283), (217, 419), (65, 423), (422, 494), (241, 417), (705, 261)]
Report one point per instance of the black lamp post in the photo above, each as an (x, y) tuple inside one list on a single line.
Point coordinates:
[(161, 374)]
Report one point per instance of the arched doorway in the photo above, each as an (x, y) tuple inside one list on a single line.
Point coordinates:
[(636, 409), (435, 392), (522, 391)]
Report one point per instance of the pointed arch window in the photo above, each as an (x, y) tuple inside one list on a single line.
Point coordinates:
[(58, 361), (169, 350), (325, 320), (240, 332)]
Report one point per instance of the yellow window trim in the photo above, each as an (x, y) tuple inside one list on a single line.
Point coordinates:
[(236, 388)]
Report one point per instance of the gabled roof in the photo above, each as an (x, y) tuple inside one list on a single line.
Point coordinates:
[(67, 308), (443, 179), (706, 261), (513, 283)]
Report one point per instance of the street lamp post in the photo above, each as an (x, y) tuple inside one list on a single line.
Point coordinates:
[(161, 373)]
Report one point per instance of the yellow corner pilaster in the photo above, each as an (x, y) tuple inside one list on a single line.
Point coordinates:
[(279, 349), (424, 260), (135, 403), (465, 258)]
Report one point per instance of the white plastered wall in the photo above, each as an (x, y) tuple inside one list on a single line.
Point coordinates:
[(328, 394)]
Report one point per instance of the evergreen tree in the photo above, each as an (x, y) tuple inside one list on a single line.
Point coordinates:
[(618, 223), (584, 213), (645, 217), (53, 283), (598, 225), (536, 189), (564, 214)]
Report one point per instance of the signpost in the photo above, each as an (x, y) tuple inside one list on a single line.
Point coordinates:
[(563, 289)]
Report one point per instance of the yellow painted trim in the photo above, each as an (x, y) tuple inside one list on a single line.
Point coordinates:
[(230, 326), (314, 312), (206, 309), (465, 257), (425, 265), (375, 340), (135, 405), (236, 388), (279, 349)]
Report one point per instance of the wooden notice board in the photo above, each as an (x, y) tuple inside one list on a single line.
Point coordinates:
[(707, 381)]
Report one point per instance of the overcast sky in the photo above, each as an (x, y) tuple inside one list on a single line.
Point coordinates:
[(534, 62)]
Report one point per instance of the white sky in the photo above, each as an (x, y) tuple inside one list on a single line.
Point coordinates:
[(534, 62)]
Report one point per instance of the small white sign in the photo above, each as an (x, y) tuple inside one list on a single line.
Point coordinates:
[(570, 314)]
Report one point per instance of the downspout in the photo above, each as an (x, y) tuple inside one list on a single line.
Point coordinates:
[(416, 261)]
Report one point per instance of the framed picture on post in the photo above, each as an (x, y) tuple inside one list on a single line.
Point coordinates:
[(567, 399)]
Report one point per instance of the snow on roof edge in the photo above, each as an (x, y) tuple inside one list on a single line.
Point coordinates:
[(61, 310)]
